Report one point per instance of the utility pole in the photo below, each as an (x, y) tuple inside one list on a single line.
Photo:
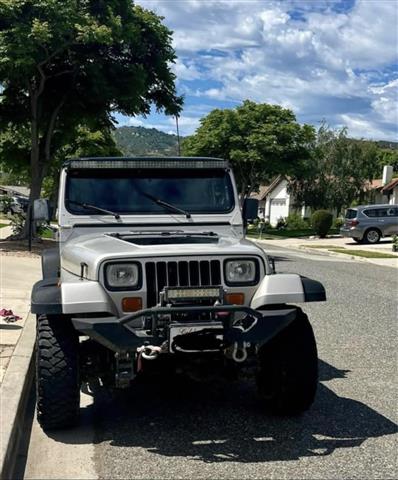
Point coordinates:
[(178, 138)]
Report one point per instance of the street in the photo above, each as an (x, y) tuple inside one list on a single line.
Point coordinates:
[(220, 431)]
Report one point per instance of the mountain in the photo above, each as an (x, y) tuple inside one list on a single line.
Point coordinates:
[(145, 141)]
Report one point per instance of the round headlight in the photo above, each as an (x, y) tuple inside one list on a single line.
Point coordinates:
[(240, 271), (122, 276)]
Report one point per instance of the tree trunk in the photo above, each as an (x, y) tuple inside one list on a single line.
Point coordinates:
[(36, 168)]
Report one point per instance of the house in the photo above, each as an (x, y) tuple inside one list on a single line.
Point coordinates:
[(276, 202)]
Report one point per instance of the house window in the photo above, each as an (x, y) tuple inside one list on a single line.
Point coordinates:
[(278, 202)]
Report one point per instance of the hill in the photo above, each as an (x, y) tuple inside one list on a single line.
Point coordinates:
[(145, 141)]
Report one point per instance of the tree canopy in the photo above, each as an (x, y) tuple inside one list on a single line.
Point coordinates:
[(65, 63), (338, 171), (260, 141)]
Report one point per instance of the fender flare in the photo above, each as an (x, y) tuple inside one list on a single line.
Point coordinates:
[(51, 263), (282, 288), (46, 297)]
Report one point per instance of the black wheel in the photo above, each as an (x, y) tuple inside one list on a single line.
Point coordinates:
[(287, 375), (57, 373), (372, 236)]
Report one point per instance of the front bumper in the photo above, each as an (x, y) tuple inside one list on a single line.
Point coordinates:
[(121, 335)]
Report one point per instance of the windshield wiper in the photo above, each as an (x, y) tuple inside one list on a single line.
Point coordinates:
[(93, 207), (172, 208)]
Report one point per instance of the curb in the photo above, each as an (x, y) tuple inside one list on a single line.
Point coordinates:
[(325, 252), (14, 394)]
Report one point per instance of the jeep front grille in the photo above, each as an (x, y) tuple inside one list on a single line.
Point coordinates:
[(193, 273)]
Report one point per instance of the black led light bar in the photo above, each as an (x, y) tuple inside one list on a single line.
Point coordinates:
[(147, 163)]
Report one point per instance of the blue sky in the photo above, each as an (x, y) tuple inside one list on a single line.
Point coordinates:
[(331, 60)]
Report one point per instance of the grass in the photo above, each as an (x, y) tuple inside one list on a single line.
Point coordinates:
[(47, 233), (3, 225), (363, 253), (319, 246)]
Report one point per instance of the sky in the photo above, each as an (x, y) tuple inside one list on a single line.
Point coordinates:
[(326, 60)]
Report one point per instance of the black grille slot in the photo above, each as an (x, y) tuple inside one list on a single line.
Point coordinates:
[(151, 284), (194, 274), (180, 274)]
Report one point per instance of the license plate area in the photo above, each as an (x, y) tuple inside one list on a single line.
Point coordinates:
[(195, 337)]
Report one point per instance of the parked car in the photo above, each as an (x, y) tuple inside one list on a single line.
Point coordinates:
[(368, 223), (14, 204)]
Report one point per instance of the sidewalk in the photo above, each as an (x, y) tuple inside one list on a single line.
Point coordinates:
[(321, 246), (19, 270)]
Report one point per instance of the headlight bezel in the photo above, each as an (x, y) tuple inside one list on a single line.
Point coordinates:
[(242, 284), (125, 288)]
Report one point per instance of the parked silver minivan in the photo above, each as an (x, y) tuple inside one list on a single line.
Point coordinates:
[(368, 223)]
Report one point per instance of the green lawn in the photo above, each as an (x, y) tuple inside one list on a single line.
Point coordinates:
[(3, 225), (47, 233), (363, 253)]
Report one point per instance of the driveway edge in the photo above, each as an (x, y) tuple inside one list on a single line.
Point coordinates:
[(14, 394)]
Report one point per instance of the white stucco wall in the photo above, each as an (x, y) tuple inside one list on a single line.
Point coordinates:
[(278, 203)]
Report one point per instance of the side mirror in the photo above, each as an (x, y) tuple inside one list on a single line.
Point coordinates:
[(249, 209), (41, 210)]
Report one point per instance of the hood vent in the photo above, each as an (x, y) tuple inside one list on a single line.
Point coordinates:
[(168, 238)]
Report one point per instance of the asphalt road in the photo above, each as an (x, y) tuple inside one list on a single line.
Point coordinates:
[(220, 431)]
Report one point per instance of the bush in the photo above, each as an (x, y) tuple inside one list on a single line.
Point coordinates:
[(395, 243), (280, 223), (5, 203), (17, 222), (321, 221), (338, 223), (295, 222)]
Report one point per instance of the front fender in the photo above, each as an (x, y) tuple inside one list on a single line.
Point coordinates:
[(287, 288)]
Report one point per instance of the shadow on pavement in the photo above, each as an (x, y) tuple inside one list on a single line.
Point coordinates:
[(225, 422)]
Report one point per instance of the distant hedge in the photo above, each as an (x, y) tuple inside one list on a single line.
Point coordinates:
[(321, 221)]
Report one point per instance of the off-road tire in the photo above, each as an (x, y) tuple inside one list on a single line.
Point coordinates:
[(287, 374), (57, 373)]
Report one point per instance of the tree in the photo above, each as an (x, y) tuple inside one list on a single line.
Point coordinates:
[(259, 140), (83, 143), (338, 171), (65, 63)]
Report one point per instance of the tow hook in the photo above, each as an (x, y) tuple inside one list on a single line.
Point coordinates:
[(149, 352), (239, 354)]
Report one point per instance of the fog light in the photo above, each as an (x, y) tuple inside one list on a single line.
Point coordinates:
[(131, 304), (235, 298)]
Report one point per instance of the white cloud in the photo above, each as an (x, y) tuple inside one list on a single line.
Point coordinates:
[(321, 63), (360, 127)]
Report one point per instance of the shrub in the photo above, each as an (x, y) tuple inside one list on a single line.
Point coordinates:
[(338, 223), (321, 221), (5, 203), (395, 243), (280, 223), (17, 222), (295, 222)]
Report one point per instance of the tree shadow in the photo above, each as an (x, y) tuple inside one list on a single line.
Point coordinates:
[(225, 422)]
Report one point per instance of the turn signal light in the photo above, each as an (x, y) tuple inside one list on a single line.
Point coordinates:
[(235, 298), (131, 304)]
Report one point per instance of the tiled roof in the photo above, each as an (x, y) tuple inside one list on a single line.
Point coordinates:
[(390, 186)]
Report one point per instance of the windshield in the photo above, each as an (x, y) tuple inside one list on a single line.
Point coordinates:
[(135, 191)]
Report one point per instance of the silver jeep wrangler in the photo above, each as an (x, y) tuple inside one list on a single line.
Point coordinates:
[(153, 275)]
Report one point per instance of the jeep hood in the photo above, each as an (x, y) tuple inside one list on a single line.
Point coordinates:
[(93, 249)]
